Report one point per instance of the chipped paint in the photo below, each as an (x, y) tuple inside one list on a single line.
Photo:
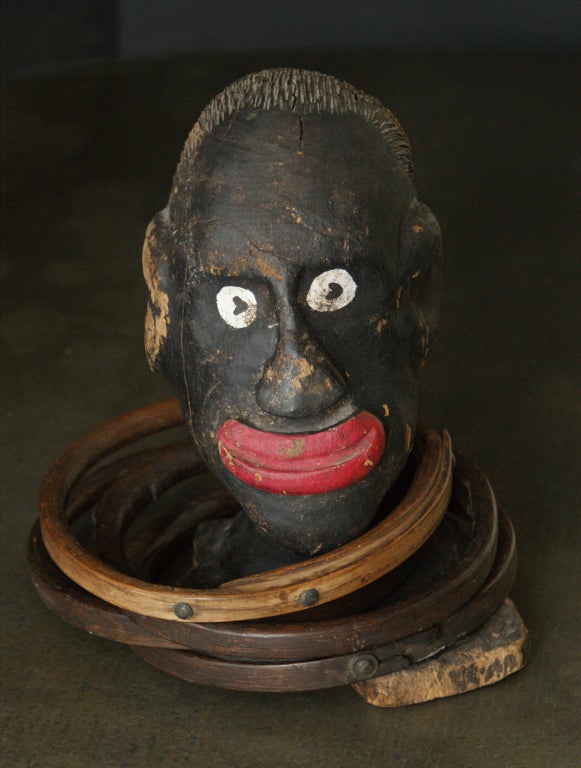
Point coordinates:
[(212, 359), (226, 455), (293, 451), (157, 318), (215, 270), (303, 370), (265, 267), (398, 296)]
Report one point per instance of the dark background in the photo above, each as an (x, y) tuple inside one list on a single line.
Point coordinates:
[(39, 34), (99, 101)]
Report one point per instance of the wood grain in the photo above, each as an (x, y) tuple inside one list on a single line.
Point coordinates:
[(306, 638), (267, 675), (277, 592), (498, 649)]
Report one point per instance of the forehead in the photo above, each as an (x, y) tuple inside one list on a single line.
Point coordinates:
[(294, 188)]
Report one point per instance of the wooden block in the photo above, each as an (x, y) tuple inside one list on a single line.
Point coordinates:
[(496, 650)]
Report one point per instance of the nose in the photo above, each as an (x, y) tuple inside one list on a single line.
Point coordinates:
[(300, 380)]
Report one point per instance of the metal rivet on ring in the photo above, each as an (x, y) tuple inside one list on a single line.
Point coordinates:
[(309, 597), (364, 666), (183, 611)]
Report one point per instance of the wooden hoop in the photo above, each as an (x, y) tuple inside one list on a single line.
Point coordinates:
[(312, 638), (273, 593), (333, 671), (274, 672)]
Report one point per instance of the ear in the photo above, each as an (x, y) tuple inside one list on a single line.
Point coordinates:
[(164, 274), (418, 296)]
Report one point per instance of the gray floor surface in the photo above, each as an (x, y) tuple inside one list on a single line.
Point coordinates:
[(88, 159)]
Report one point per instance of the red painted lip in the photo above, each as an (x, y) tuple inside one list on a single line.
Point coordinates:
[(307, 463)]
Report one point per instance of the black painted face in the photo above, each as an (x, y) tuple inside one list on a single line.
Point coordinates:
[(297, 366)]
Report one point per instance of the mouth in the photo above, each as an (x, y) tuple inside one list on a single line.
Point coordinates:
[(298, 464)]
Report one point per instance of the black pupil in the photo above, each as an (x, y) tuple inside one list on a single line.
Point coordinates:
[(240, 305), (335, 290)]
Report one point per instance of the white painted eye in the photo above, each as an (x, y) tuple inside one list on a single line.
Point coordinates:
[(237, 306), (331, 290)]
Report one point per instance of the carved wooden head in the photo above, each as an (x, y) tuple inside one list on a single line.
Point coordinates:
[(293, 283)]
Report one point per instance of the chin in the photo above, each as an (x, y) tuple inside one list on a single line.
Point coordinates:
[(314, 523), (311, 524)]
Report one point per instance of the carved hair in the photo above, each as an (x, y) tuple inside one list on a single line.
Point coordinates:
[(303, 92), (165, 260)]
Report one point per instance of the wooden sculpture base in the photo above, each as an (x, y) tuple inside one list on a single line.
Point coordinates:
[(431, 620), (498, 649)]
